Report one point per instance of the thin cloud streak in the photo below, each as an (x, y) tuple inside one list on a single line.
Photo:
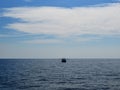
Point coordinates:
[(43, 41)]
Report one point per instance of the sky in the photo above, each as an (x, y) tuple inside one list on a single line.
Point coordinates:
[(60, 28)]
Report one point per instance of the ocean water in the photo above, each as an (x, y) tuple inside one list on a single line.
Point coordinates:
[(75, 74)]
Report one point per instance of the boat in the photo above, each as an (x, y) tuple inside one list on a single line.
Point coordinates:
[(63, 60)]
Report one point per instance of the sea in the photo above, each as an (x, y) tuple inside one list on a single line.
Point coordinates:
[(52, 74)]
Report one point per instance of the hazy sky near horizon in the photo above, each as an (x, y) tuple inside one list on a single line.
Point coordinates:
[(60, 28)]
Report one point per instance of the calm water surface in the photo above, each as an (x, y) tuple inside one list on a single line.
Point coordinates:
[(80, 74)]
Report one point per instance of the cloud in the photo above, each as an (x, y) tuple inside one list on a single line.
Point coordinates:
[(66, 22)]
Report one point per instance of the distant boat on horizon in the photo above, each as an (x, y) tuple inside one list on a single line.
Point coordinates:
[(63, 60)]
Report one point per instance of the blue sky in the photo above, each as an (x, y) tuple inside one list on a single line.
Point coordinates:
[(60, 28)]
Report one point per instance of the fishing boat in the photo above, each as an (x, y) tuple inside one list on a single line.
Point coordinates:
[(63, 60)]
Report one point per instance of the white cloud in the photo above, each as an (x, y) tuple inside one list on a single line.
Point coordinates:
[(100, 20)]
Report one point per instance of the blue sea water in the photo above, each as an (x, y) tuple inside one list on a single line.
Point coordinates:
[(52, 74)]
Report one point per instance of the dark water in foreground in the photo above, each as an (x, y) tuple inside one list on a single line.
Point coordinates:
[(82, 74)]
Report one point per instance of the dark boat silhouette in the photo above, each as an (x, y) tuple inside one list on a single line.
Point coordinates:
[(63, 60)]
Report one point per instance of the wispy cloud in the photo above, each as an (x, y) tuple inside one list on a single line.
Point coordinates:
[(2, 35), (66, 22), (43, 41)]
